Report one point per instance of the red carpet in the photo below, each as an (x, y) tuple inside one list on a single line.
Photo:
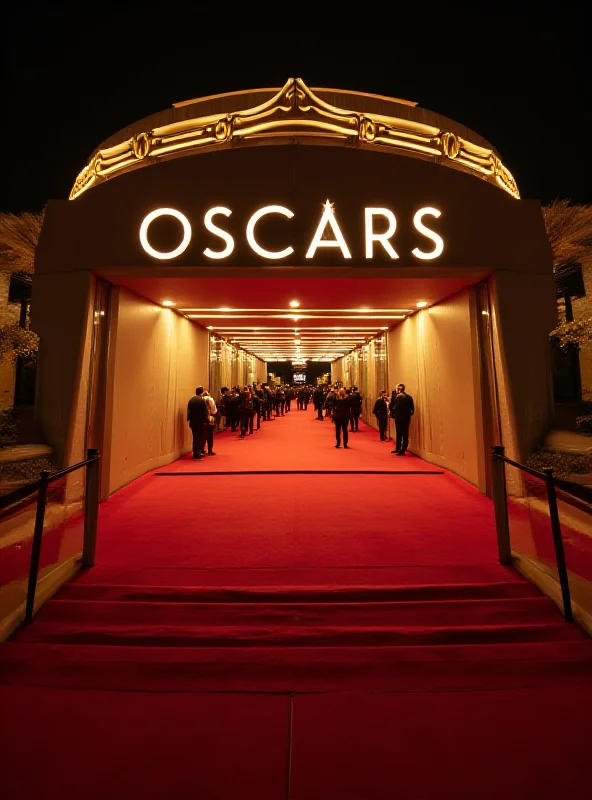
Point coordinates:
[(298, 441), (347, 585), (97, 745), (429, 746)]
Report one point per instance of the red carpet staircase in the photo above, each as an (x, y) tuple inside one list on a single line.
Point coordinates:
[(466, 634)]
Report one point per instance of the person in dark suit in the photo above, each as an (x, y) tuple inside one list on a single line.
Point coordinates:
[(356, 409), (381, 412), (246, 412), (289, 398), (318, 398), (401, 409), (231, 407), (341, 416), (197, 417)]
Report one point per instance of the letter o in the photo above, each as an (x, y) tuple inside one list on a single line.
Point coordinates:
[(165, 212)]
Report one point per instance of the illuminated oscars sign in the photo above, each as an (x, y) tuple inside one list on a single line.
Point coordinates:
[(380, 228)]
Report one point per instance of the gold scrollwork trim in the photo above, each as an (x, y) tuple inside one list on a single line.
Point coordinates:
[(296, 111)]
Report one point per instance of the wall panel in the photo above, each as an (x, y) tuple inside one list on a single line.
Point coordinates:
[(157, 360), (432, 353)]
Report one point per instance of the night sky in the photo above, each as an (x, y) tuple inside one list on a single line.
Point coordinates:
[(71, 80)]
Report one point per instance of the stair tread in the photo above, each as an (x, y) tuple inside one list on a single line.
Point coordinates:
[(248, 636), (320, 593)]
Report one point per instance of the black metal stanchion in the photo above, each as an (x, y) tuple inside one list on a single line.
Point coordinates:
[(500, 504), (36, 548), (91, 509), (558, 542)]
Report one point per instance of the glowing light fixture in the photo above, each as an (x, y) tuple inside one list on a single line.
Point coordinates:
[(421, 304), (168, 303), (294, 303), (363, 310)]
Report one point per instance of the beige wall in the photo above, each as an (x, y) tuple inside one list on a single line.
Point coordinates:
[(432, 353), (61, 313), (261, 368), (157, 359), (525, 312)]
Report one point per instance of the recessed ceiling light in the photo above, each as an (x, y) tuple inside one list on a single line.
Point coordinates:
[(363, 310), (421, 304), (294, 303), (168, 303), (224, 308)]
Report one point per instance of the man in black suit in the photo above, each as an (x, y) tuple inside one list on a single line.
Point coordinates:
[(356, 409), (402, 409), (381, 412), (197, 417), (318, 398)]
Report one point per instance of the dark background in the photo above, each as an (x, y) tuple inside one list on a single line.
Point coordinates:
[(71, 79), (313, 370)]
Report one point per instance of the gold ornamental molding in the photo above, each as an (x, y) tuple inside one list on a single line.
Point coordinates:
[(295, 112)]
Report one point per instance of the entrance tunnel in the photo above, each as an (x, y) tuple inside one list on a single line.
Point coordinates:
[(289, 618)]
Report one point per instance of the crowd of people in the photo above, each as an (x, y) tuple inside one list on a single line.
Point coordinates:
[(244, 409)]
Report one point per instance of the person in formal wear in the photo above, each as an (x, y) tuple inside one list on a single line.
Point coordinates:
[(341, 416), (231, 405), (329, 400), (246, 412), (381, 412), (197, 417), (224, 391), (289, 397), (401, 410), (280, 397), (356, 409), (211, 422), (318, 398), (258, 403)]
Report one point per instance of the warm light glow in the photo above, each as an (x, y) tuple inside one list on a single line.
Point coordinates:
[(165, 212), (294, 303), (421, 304), (223, 308), (328, 218), (383, 238), (293, 111), (277, 254), (218, 232), (168, 303), (362, 310), (438, 241)]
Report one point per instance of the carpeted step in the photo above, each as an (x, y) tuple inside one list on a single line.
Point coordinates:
[(179, 635), (444, 573), (447, 613), (298, 594), (304, 669)]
